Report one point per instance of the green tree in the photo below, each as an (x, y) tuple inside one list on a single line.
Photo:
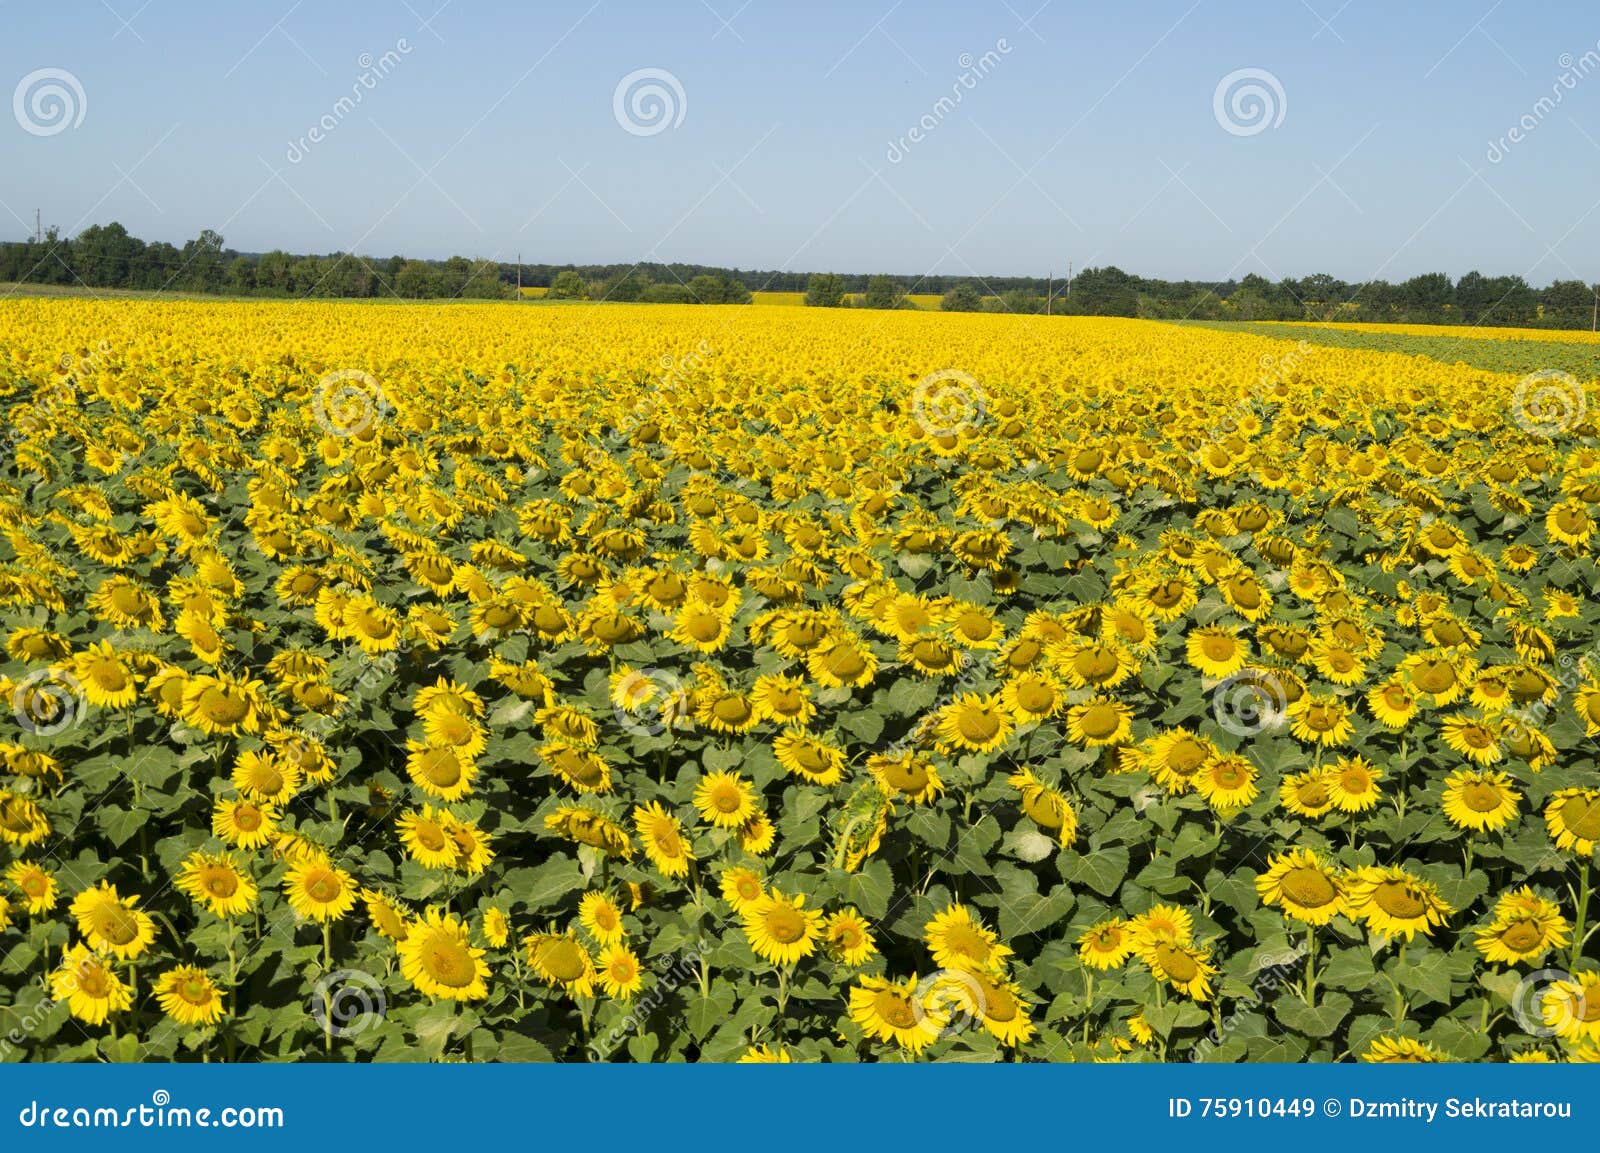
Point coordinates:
[(962, 298), (882, 292), (706, 289), (414, 281), (825, 290), (567, 285)]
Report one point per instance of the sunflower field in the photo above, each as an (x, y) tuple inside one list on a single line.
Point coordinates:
[(645, 683)]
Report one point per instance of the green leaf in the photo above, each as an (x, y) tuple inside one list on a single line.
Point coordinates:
[(1319, 1020), (1102, 870)]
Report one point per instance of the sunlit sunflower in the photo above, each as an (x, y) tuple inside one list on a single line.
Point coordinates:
[(959, 940), (265, 778), (561, 961), (1392, 704), (1227, 783), (584, 769), (620, 974), (111, 923), (1401, 1051), (809, 756), (1106, 945), (1319, 719), (1185, 968), (1100, 721), (601, 918), (389, 918), (189, 996), (244, 824), (781, 929), (1046, 807), (997, 1005), (217, 882), (1394, 902), (1216, 650), (1573, 819), (37, 885), (1354, 784), (1571, 1008), (319, 891), (1307, 794), (663, 839), (1303, 885), (438, 957), (848, 937), (975, 723), (725, 799), (1175, 756), (889, 1010), (89, 986), (1484, 800), (440, 771), (908, 774), (586, 826), (741, 888)]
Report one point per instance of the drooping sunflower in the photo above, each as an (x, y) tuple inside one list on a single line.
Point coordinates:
[(1184, 967), (662, 836), (584, 769), (1045, 806), (437, 956), (561, 961), (1401, 1051), (1303, 885), (1308, 793), (1483, 800), (1394, 902), (189, 996), (908, 774), (1525, 927), (217, 882), (1571, 1008), (388, 917), (590, 827), (781, 929), (808, 755)]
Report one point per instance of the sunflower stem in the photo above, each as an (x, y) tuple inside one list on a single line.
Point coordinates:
[(1399, 993), (327, 967), (1311, 966), (1582, 917)]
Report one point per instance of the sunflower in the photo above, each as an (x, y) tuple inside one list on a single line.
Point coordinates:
[(89, 986), (1227, 783), (219, 704), (974, 723), (997, 1005), (440, 771), (757, 835), (426, 838), (780, 929), (107, 676), (891, 1010), (809, 756), (1162, 923), (1185, 968), (1571, 1008), (1216, 650), (1483, 799), (1401, 1051), (1045, 806), (264, 778), (22, 822), (37, 886), (1174, 757), (560, 960), (1473, 737), (1573, 819), (438, 958), (1392, 704), (1303, 885), (244, 824), (216, 881), (1394, 902), (1100, 721), (907, 774), (620, 973), (189, 996), (1309, 793), (701, 627), (601, 918), (1106, 944), (111, 923), (387, 917), (1353, 784), (725, 799), (663, 839), (583, 769), (590, 827), (1321, 720), (742, 888), (764, 1054), (319, 891), (1525, 927), (959, 940), (783, 699), (848, 937)]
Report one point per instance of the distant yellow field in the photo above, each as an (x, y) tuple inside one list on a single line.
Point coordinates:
[(1465, 331), (535, 291)]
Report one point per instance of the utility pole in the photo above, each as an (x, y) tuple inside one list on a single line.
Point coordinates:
[(519, 277), (1594, 315), (1049, 291), (1069, 278), (38, 231)]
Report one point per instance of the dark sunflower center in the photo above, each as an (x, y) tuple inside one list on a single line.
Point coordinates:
[(1308, 887)]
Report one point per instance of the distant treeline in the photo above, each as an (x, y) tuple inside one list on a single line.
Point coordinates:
[(106, 256)]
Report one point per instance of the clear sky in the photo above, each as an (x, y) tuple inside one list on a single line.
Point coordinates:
[(1090, 132)]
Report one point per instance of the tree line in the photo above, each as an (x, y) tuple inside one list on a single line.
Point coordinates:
[(108, 256)]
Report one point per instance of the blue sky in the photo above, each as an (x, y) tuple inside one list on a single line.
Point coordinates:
[(1092, 134)]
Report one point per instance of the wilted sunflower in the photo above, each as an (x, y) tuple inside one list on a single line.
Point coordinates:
[(589, 827)]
